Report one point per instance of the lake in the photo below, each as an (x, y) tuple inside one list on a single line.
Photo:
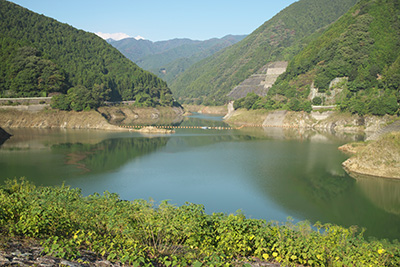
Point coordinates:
[(267, 173)]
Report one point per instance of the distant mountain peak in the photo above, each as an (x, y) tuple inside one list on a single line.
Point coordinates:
[(139, 37), (117, 36)]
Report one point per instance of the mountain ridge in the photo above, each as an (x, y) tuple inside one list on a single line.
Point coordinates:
[(362, 49), (41, 56), (279, 38), (167, 59)]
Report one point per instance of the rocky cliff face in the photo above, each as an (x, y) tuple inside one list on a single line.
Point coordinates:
[(327, 120), (54, 119), (333, 95)]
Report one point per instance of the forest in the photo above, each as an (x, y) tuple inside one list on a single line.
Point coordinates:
[(167, 59), (280, 38), (42, 57), (363, 46)]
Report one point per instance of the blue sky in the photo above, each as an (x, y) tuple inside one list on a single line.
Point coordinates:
[(158, 20)]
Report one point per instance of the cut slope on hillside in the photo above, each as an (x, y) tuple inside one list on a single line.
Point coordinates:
[(363, 46), (277, 39)]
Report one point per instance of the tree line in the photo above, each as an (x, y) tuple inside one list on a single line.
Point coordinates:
[(41, 56)]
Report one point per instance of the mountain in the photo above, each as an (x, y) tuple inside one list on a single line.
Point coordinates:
[(41, 56), (362, 49), (278, 39), (167, 59)]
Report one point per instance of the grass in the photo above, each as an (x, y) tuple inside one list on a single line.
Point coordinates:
[(243, 116)]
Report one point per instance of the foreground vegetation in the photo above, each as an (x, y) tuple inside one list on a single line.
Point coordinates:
[(143, 234)]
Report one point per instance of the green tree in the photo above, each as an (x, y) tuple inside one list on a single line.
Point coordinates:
[(250, 100), (307, 107), (295, 105), (60, 102), (317, 101), (391, 105)]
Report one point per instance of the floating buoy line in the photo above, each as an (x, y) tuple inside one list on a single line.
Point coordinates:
[(206, 127)]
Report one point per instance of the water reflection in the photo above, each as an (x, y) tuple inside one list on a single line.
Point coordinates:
[(269, 173), (384, 193), (321, 136), (50, 157), (109, 154)]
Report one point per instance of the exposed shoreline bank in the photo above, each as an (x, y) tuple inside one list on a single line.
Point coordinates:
[(96, 120), (378, 158), (325, 120)]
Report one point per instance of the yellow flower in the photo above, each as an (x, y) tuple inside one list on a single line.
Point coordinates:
[(381, 251)]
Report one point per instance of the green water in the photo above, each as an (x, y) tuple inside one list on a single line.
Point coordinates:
[(267, 173)]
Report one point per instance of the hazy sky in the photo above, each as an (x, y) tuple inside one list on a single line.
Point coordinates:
[(158, 20)]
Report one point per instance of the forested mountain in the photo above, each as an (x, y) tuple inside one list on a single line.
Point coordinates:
[(364, 47), (280, 38), (40, 56), (167, 59)]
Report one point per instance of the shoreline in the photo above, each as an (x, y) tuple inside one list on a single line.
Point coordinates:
[(372, 126), (379, 158), (49, 119)]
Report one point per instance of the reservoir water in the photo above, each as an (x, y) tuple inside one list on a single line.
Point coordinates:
[(267, 173)]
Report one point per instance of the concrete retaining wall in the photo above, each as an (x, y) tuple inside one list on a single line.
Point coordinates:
[(25, 100)]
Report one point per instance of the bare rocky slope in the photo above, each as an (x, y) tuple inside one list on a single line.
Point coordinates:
[(327, 120), (379, 158), (99, 120), (54, 119)]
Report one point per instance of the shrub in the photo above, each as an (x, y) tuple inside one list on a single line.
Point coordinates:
[(317, 101), (141, 233)]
